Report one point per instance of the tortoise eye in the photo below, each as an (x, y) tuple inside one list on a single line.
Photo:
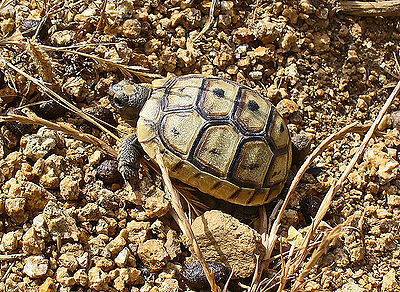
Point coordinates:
[(119, 101)]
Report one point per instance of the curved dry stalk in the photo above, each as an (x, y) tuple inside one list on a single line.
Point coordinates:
[(56, 97), (328, 238), (352, 128), (184, 221), (338, 185), (269, 240), (125, 69), (100, 144), (209, 21)]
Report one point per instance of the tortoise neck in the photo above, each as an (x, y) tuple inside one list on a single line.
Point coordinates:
[(143, 94)]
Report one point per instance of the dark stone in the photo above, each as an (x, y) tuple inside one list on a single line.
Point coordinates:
[(193, 274), (309, 206), (49, 110), (16, 128), (28, 28), (301, 147), (108, 172)]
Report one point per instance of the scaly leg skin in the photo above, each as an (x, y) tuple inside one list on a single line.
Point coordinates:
[(129, 155)]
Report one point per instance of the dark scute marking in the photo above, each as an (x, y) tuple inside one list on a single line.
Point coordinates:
[(253, 105), (199, 175), (235, 194), (282, 128), (251, 199), (178, 166), (219, 92), (216, 185), (175, 132), (251, 166), (215, 151)]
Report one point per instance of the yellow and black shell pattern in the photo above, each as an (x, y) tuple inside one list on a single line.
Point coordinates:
[(220, 137)]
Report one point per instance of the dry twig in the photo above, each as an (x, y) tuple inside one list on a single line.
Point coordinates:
[(375, 8), (318, 150), (101, 145), (209, 21), (11, 257), (184, 221), (328, 238), (338, 185), (56, 97)]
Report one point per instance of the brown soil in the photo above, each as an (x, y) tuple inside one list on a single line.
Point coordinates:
[(336, 68)]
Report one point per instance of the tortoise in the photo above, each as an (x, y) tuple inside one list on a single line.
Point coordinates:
[(218, 136)]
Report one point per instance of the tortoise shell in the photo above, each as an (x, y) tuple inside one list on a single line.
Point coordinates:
[(223, 138)]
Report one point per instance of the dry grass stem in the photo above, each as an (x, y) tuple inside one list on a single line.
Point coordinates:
[(338, 185), (323, 247), (125, 69), (375, 8), (183, 221), (270, 240), (11, 257), (100, 144), (102, 15), (227, 281), (352, 128), (210, 20), (4, 3), (56, 97)]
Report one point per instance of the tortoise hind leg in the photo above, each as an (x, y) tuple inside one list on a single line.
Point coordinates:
[(129, 154)]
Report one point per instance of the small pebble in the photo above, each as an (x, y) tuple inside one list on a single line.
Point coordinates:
[(255, 75), (98, 280), (41, 144), (395, 118), (28, 28), (301, 147), (36, 266), (69, 188), (131, 28), (48, 286), (389, 282), (289, 110), (101, 113), (394, 200)]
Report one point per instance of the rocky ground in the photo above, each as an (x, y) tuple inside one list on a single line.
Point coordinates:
[(66, 221)]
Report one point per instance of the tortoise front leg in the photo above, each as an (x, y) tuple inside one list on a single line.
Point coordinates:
[(129, 154)]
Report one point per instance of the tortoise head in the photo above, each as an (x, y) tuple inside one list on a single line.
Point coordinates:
[(129, 98)]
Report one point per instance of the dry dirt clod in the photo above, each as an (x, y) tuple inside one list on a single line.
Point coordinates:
[(223, 239), (153, 254)]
